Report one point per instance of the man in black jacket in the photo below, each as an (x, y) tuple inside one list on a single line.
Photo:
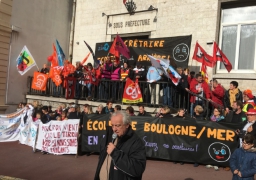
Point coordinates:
[(125, 157), (142, 111)]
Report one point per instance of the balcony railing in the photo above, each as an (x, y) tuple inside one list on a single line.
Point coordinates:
[(168, 94)]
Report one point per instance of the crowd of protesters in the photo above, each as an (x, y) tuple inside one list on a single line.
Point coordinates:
[(231, 105)]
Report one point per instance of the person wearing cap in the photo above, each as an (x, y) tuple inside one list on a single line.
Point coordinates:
[(72, 113), (231, 95), (248, 100), (249, 127)]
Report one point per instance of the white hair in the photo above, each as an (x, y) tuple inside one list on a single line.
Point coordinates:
[(126, 118)]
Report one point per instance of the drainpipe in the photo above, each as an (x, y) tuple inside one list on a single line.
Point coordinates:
[(72, 31)]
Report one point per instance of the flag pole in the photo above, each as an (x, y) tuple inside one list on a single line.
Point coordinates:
[(37, 66)]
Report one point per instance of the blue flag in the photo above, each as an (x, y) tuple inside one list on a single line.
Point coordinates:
[(60, 53)]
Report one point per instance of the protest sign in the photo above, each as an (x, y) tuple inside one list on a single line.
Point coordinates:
[(58, 137), (175, 139)]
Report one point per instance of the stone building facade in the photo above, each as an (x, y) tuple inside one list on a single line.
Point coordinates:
[(230, 23), (5, 36)]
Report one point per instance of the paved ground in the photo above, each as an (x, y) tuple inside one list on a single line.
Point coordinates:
[(19, 161)]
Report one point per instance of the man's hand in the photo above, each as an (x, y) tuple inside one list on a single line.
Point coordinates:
[(236, 171), (249, 129), (239, 174), (237, 131), (110, 148), (227, 110)]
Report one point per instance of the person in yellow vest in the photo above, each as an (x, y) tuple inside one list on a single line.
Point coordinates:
[(248, 100), (124, 71)]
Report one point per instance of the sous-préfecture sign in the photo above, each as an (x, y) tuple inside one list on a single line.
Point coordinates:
[(126, 23)]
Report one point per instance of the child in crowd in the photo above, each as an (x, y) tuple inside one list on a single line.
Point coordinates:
[(180, 114), (198, 112), (217, 115), (38, 117), (243, 160), (63, 116), (58, 118)]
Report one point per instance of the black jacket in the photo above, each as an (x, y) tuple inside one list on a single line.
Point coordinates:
[(239, 97), (144, 114), (129, 157), (74, 115)]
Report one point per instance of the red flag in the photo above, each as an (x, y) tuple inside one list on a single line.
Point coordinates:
[(204, 72), (218, 55), (85, 59), (132, 93), (53, 58), (39, 81), (121, 47), (124, 1), (70, 87), (113, 50), (56, 78), (201, 56)]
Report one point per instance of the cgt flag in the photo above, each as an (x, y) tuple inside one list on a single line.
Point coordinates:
[(56, 78), (132, 93), (201, 56), (218, 55), (25, 61), (39, 81)]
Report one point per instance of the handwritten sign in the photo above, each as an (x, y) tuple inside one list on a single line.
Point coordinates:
[(58, 137)]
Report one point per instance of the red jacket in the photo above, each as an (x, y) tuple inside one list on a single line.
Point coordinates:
[(193, 84), (218, 95)]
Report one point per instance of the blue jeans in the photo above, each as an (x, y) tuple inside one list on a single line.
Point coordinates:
[(78, 89), (89, 88), (115, 90), (56, 90), (103, 89), (167, 95)]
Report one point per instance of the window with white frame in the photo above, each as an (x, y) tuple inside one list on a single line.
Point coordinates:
[(238, 39)]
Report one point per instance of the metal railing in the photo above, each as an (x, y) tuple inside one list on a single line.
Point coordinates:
[(165, 93)]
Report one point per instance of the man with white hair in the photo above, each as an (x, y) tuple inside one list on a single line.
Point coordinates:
[(125, 156)]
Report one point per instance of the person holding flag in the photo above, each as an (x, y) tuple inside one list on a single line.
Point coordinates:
[(153, 76)]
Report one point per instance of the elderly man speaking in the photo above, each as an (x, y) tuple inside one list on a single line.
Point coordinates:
[(125, 157)]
